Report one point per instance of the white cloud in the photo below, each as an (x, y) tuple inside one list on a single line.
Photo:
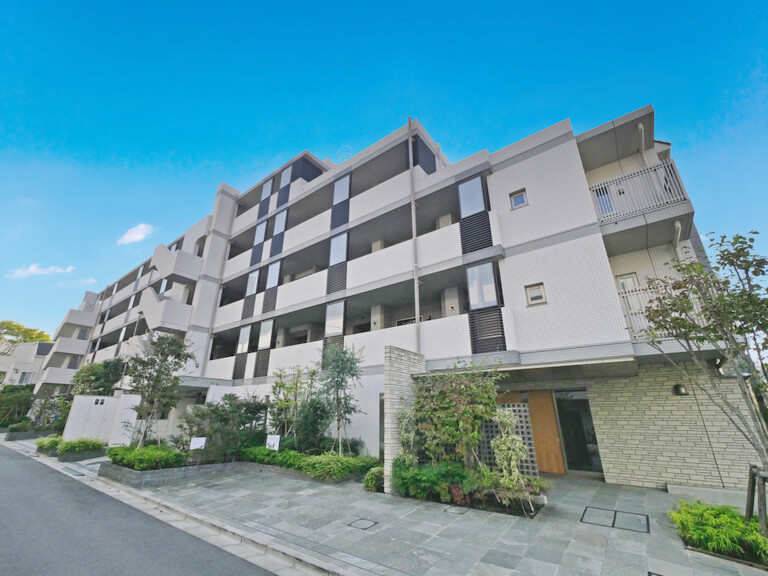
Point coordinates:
[(135, 234), (35, 270)]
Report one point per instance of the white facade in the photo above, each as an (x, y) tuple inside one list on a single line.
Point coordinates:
[(24, 364), (534, 256)]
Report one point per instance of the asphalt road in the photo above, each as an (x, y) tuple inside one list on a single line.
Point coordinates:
[(53, 525)]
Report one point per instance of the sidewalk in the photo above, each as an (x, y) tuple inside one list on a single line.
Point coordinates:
[(344, 530)]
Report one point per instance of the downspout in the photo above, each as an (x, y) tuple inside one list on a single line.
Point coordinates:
[(417, 303), (641, 130), (676, 239)]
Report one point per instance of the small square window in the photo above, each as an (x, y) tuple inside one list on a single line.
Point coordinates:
[(535, 294), (518, 199)]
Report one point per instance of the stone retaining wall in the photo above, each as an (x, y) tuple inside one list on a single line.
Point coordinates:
[(135, 478), (83, 455)]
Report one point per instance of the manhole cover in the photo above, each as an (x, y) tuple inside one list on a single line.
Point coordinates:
[(616, 519), (363, 524), (455, 510)]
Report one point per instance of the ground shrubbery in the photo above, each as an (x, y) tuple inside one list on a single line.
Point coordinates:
[(374, 480), (150, 457), (48, 443), (721, 530), (329, 466), (80, 445)]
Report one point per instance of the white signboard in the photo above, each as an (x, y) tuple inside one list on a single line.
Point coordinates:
[(273, 442), (197, 443)]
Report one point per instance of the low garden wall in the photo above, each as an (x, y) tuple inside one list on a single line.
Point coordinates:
[(136, 479), (25, 435), (82, 455)]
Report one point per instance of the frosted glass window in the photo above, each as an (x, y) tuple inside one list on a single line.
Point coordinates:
[(334, 319), (481, 286), (242, 341), (338, 249), (285, 177), (518, 199), (341, 190), (266, 190), (471, 198), (253, 281), (265, 335), (280, 223), (273, 274), (261, 231)]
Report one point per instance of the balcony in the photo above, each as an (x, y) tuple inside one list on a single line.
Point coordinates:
[(372, 343), (229, 314), (69, 346), (57, 375), (238, 264), (639, 210), (381, 195), (302, 290), (76, 318), (307, 230), (634, 303), (178, 266), (384, 264), (439, 246), (164, 313), (220, 368), (446, 338), (304, 355)]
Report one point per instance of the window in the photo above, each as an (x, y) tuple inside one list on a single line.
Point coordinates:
[(535, 294), (273, 275), (261, 231), (338, 249), (334, 319), (481, 285), (471, 198), (253, 281), (279, 223), (242, 341), (265, 335), (518, 199), (25, 377), (285, 177), (266, 190), (341, 190), (604, 202)]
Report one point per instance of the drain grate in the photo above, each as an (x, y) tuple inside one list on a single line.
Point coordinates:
[(363, 524), (616, 519)]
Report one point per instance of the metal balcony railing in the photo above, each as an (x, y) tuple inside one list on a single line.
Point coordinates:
[(634, 303), (639, 192)]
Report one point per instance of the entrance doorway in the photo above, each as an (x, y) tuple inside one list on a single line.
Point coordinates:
[(578, 431)]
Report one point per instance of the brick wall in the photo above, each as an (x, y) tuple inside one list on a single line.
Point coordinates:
[(399, 365)]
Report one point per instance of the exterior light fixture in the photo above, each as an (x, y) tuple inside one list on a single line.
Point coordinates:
[(680, 390)]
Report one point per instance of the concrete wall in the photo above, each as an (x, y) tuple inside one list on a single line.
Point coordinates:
[(102, 417)]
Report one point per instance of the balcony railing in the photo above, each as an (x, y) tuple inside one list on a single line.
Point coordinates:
[(633, 194), (634, 303)]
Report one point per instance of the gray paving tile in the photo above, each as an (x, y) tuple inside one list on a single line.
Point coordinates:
[(598, 516)]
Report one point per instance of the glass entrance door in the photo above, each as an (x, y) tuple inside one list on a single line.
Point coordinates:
[(578, 431)]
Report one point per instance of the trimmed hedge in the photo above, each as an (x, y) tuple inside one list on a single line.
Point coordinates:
[(262, 455), (329, 466), (152, 457), (80, 445), (374, 480)]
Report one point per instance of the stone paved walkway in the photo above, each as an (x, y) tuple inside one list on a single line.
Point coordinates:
[(362, 533)]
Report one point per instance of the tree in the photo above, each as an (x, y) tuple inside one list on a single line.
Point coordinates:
[(722, 309), (451, 407), (154, 376), (13, 333), (99, 379), (288, 392), (339, 373)]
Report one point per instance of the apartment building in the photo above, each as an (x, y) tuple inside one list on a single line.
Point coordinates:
[(535, 257), (23, 364)]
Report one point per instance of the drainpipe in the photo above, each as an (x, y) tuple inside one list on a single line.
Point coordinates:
[(417, 304), (641, 130), (676, 239)]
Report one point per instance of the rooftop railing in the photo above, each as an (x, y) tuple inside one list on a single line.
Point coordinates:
[(639, 192)]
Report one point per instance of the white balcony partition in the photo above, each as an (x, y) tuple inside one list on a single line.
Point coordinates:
[(245, 221), (446, 338), (77, 318), (510, 332), (239, 263), (105, 354), (379, 265), (389, 191), (302, 290), (58, 375), (307, 230), (647, 189), (123, 318), (220, 368), (439, 245), (303, 355), (70, 346), (372, 343), (297, 188), (228, 314)]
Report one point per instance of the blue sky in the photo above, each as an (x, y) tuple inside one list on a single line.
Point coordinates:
[(108, 108)]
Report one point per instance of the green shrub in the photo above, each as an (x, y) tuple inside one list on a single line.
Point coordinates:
[(22, 426), (48, 443), (290, 459), (374, 480), (259, 454), (80, 445), (428, 482), (329, 466), (720, 529), (152, 457)]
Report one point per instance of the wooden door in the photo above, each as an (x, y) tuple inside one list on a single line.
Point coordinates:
[(546, 435)]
